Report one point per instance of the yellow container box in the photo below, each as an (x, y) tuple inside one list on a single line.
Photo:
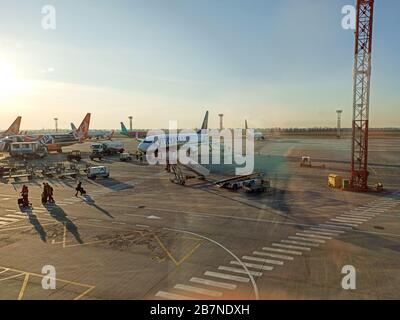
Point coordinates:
[(335, 181)]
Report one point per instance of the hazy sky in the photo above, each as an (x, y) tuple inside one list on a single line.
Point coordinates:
[(276, 63)]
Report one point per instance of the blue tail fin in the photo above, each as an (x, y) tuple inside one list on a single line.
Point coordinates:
[(124, 131)]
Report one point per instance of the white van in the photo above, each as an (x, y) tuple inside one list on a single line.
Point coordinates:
[(99, 171)]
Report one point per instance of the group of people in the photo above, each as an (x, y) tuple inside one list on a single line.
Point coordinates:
[(47, 194)]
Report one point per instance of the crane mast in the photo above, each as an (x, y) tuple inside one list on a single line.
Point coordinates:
[(361, 95)]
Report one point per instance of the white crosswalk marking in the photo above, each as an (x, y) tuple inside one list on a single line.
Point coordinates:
[(344, 223), (3, 223), (253, 265), (226, 276), (275, 262), (236, 270), (335, 226), (361, 215), (337, 232), (272, 255), (212, 283), (310, 235), (300, 243), (283, 251), (307, 239), (344, 217), (204, 292), (290, 247), (171, 296), (16, 216), (8, 219)]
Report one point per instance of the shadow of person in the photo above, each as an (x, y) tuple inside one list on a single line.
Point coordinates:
[(90, 201), (59, 214), (33, 220)]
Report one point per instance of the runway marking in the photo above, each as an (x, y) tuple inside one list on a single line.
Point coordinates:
[(300, 243), (352, 218), (367, 215), (64, 236), (171, 296), (275, 262), (242, 271), (283, 251), (255, 266), (204, 292), (23, 288), (272, 255), (16, 216), (226, 276), (169, 254), (307, 239), (5, 270), (29, 275), (12, 277), (290, 247), (313, 236), (8, 219), (343, 222), (212, 283), (328, 232), (334, 226)]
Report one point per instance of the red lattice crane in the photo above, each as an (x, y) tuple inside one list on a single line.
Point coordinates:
[(361, 98)]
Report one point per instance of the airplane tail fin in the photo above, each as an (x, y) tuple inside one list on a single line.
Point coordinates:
[(82, 133), (14, 128), (110, 136), (204, 125), (124, 131)]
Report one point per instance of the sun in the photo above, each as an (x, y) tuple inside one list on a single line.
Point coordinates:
[(10, 84)]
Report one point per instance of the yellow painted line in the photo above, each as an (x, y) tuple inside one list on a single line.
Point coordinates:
[(84, 293), (5, 270), (64, 235), (12, 277), (26, 227), (166, 250), (23, 288), (190, 253), (89, 287)]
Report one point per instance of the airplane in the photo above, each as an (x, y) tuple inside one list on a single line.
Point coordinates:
[(13, 129), (132, 134), (200, 137), (52, 142), (97, 134), (257, 134)]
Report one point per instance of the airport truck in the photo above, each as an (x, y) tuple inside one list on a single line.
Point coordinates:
[(105, 148), (27, 150)]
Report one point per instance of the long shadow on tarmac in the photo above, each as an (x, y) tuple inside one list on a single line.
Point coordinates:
[(33, 220), (89, 200), (59, 214)]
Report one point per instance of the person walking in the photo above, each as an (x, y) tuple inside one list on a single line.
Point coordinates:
[(25, 196), (45, 193), (79, 189), (50, 192)]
